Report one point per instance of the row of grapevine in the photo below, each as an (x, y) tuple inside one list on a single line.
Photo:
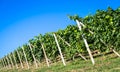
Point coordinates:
[(100, 31)]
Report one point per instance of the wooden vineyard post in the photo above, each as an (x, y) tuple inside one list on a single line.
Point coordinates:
[(116, 53), (15, 60), (19, 58), (82, 57), (3, 64), (11, 61), (25, 58), (70, 45), (37, 61), (59, 50), (111, 48), (45, 55), (63, 40), (85, 41), (33, 56), (8, 62), (88, 49)]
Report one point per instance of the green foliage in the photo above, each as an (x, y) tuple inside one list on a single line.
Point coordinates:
[(105, 25)]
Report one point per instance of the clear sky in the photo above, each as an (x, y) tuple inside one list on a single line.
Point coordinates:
[(21, 20)]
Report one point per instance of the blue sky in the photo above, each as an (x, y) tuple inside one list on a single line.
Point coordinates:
[(21, 20)]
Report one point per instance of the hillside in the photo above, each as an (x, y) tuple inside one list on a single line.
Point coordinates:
[(107, 63), (95, 38)]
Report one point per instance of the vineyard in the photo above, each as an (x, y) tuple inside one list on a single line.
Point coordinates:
[(92, 35)]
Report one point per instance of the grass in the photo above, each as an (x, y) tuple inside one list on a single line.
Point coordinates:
[(108, 63)]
